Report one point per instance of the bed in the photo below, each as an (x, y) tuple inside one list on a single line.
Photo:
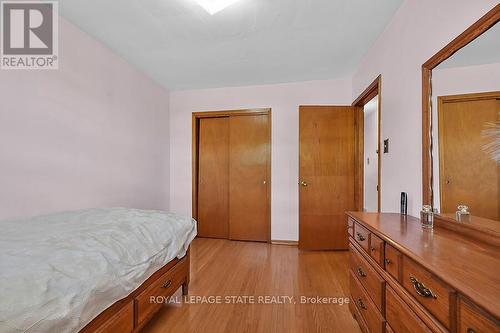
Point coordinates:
[(91, 270)]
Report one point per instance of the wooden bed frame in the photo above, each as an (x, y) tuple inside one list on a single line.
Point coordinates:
[(133, 312)]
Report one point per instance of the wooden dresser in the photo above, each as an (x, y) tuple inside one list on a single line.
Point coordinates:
[(407, 279)]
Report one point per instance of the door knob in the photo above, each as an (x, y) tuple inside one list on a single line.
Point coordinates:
[(303, 183)]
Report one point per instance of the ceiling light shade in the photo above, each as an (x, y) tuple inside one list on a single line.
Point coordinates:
[(215, 6)]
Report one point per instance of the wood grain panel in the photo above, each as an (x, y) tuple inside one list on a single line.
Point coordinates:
[(362, 236), (213, 178), (388, 328), (468, 174), (377, 249), (359, 318), (117, 317), (416, 307), (350, 227), (249, 160), (393, 262), (369, 278), (373, 319), (473, 320), (122, 321), (401, 318), (470, 267), (327, 172), (165, 286), (441, 300)]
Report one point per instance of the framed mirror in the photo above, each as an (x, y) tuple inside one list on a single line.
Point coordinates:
[(461, 129)]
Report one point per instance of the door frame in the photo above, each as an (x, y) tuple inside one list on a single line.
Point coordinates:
[(374, 89), (196, 116)]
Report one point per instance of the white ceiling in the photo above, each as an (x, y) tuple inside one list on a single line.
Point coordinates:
[(485, 49), (181, 46)]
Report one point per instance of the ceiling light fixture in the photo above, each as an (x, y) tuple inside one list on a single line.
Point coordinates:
[(215, 6)]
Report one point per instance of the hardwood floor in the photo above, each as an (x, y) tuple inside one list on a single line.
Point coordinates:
[(226, 268)]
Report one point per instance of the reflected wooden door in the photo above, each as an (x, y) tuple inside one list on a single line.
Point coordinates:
[(469, 174), (249, 160), (213, 178), (327, 175)]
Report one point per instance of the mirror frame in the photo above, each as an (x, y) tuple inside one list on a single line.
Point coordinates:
[(474, 31)]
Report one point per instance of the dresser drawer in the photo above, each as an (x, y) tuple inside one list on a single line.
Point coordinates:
[(165, 286), (377, 249), (122, 321), (392, 261), (357, 315), (350, 227), (399, 315), (361, 235), (428, 290), (369, 278), (473, 320), (371, 315)]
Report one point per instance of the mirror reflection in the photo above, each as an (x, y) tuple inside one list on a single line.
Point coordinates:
[(466, 130)]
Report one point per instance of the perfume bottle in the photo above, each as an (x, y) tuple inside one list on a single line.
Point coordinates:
[(404, 203), (427, 217), (463, 214)]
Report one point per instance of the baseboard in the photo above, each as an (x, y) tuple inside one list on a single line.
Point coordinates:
[(285, 242)]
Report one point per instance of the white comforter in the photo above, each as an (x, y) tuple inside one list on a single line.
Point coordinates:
[(58, 272)]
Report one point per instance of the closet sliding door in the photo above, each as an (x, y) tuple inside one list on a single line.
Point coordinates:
[(213, 178), (248, 178), (231, 174)]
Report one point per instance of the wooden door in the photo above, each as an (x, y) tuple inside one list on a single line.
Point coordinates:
[(213, 178), (249, 160), (327, 175), (469, 175)]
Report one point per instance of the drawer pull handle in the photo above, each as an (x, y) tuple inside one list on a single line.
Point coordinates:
[(373, 249), (387, 261), (361, 273), (360, 237), (361, 304), (167, 284), (421, 289), (470, 330)]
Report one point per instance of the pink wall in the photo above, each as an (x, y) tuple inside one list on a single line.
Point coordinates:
[(419, 29), (96, 132), (284, 99), (93, 133)]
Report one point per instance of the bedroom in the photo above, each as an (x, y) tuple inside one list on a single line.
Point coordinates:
[(172, 166)]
